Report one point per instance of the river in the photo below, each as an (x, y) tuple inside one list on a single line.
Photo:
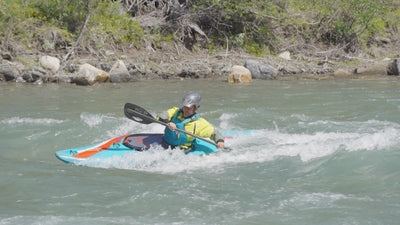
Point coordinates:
[(322, 152)]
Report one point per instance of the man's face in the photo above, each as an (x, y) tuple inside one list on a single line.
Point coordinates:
[(188, 111)]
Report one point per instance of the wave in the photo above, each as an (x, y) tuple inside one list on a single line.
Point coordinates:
[(95, 119), (263, 145), (27, 120), (325, 200), (306, 139)]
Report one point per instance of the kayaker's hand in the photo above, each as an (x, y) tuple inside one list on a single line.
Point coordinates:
[(220, 144), (172, 126)]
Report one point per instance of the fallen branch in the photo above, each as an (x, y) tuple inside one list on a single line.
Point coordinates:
[(80, 35)]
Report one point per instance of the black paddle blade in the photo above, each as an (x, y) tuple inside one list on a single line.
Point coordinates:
[(138, 114)]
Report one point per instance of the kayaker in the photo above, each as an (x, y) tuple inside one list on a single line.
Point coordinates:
[(187, 119)]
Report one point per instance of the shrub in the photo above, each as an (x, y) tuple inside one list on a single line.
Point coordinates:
[(53, 23)]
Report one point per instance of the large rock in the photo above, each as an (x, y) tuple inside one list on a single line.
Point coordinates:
[(239, 74), (89, 75), (285, 55), (6, 56), (32, 76), (50, 63), (119, 73), (195, 70), (394, 67), (341, 73), (8, 73), (260, 70)]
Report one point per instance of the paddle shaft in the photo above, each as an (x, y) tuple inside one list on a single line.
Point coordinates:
[(177, 129)]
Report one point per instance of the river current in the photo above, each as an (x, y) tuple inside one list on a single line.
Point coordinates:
[(321, 152)]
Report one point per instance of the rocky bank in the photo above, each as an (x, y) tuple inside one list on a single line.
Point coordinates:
[(179, 63)]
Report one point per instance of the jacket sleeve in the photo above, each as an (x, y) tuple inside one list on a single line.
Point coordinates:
[(217, 136), (167, 115), (205, 129), (163, 117)]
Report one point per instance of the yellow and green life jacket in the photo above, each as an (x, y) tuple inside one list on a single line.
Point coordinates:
[(193, 124)]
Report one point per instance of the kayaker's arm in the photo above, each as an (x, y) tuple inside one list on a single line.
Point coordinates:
[(218, 138), (163, 117), (171, 125), (166, 116), (162, 120)]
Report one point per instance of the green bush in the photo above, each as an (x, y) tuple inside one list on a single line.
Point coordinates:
[(350, 23), (237, 21), (30, 20), (109, 25), (69, 15), (260, 27), (15, 21)]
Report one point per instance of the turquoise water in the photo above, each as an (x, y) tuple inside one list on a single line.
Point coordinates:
[(324, 152)]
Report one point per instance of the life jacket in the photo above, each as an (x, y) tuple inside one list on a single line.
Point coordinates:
[(176, 138)]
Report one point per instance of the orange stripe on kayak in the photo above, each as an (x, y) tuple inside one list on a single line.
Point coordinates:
[(98, 148)]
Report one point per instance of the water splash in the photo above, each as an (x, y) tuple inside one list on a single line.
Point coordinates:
[(28, 120), (95, 119), (262, 146)]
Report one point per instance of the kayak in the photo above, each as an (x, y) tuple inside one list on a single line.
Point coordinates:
[(128, 144), (135, 143)]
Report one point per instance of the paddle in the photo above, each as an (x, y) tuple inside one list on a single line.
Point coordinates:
[(140, 115)]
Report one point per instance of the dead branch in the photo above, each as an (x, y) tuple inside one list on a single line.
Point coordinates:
[(80, 35)]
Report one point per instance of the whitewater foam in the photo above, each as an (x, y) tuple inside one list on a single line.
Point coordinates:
[(257, 147), (28, 120), (95, 119)]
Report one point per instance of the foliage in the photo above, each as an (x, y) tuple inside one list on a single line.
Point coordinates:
[(108, 24), (54, 24), (13, 22), (260, 27), (240, 23), (68, 15), (349, 23)]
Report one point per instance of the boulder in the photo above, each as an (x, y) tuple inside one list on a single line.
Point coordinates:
[(119, 73), (89, 75), (194, 70), (260, 70), (6, 56), (393, 68), (34, 75), (285, 55), (8, 73), (239, 74), (29, 77), (50, 63), (341, 73)]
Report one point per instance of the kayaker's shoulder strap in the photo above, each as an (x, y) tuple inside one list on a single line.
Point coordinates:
[(194, 117)]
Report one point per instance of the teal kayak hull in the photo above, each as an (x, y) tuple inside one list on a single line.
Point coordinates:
[(128, 144)]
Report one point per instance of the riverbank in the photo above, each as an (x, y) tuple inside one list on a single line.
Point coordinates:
[(172, 61)]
